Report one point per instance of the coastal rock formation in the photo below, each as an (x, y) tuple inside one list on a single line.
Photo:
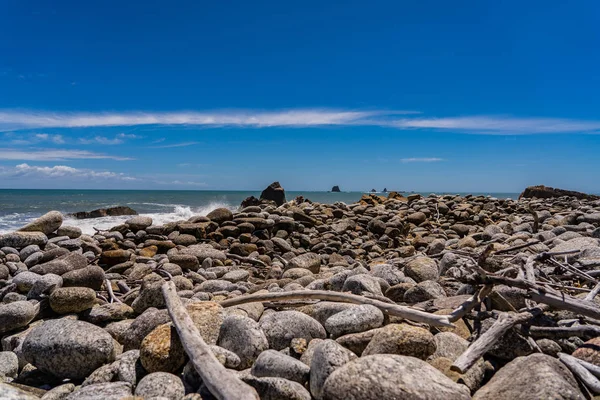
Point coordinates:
[(274, 192), (547, 192), (335, 189), (105, 212), (371, 300), (47, 223)]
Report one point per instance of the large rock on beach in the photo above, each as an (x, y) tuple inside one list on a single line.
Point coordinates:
[(274, 192), (47, 223), (19, 240), (105, 212), (68, 349), (537, 376), (547, 192), (387, 376)]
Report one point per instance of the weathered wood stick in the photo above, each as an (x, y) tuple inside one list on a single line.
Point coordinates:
[(594, 369), (519, 247), (472, 302), (566, 302), (219, 381), (387, 308), (486, 341), (588, 379), (111, 294), (564, 331), (593, 293), (247, 260)]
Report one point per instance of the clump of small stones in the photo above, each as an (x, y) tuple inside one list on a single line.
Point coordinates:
[(85, 317)]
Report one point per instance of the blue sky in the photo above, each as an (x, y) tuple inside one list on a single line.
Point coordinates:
[(426, 96)]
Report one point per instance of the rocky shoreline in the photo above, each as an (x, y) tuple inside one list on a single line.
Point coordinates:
[(438, 297)]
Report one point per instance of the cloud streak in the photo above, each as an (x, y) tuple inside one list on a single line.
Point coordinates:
[(402, 120), (60, 172), (54, 155), (168, 146), (421, 160)]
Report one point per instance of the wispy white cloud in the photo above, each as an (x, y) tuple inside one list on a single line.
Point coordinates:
[(168, 146), (499, 125), (421, 159), (10, 120), (60, 172), (118, 139), (404, 120), (53, 155), (35, 138)]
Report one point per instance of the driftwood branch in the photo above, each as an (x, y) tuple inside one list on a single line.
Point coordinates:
[(486, 341), (387, 308), (247, 260), (471, 303), (111, 294), (220, 382), (588, 379), (564, 331)]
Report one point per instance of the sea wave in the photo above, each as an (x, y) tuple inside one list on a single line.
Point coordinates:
[(12, 222)]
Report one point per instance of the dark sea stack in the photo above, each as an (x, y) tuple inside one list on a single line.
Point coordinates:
[(274, 192), (547, 192), (384, 190), (373, 191), (105, 212), (336, 189)]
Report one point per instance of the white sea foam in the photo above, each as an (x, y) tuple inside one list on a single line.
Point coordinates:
[(11, 222)]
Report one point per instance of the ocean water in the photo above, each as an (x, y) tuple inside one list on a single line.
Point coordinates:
[(18, 207)]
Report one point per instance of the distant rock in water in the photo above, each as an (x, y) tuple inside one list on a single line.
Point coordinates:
[(336, 189), (373, 191), (547, 192), (105, 212), (274, 192), (384, 190)]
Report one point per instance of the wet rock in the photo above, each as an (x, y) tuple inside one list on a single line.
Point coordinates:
[(114, 257), (220, 215), (105, 212), (387, 376), (547, 192), (138, 223), (67, 348)]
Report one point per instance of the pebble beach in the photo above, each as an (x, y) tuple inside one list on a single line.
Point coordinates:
[(391, 297)]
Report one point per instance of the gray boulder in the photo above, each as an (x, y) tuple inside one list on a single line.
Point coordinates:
[(16, 315), (68, 349), (19, 240), (387, 376), (271, 363), (537, 376), (242, 336), (281, 327), (160, 384), (104, 391), (327, 357), (356, 319), (47, 223), (277, 388)]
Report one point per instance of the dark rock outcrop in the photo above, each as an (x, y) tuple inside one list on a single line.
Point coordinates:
[(274, 192), (336, 189), (250, 201), (384, 190), (105, 212), (547, 192)]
